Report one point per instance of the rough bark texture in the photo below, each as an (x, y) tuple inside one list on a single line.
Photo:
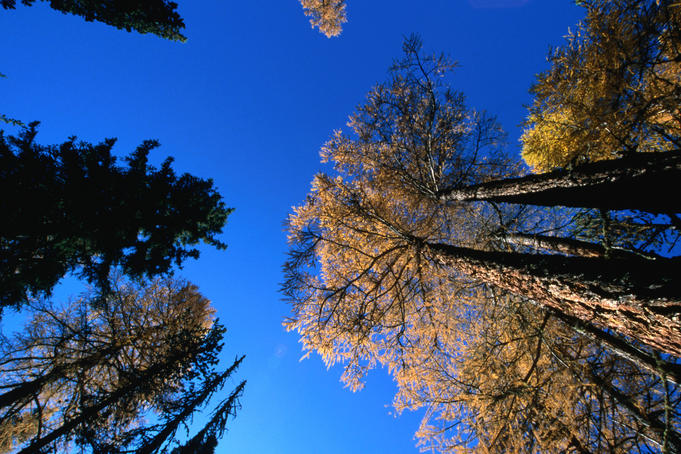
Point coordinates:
[(565, 246), (643, 181), (636, 298), (570, 246)]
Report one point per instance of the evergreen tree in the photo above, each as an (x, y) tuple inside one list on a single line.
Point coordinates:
[(72, 208), (159, 17)]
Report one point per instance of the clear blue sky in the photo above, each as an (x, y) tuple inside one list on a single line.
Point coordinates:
[(248, 101)]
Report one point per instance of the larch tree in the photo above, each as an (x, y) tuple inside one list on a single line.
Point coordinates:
[(409, 145), (362, 225), (383, 272), (73, 208), (612, 89), (88, 374), (615, 86), (158, 17), (610, 95)]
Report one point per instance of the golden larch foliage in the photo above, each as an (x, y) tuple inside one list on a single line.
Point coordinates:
[(326, 15), (613, 88)]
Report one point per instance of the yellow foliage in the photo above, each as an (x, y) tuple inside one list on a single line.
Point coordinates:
[(613, 88), (85, 349), (327, 15)]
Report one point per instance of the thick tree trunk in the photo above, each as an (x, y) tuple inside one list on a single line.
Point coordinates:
[(640, 299), (643, 181), (565, 246)]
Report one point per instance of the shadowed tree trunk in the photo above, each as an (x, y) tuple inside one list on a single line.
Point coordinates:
[(643, 181), (570, 246)]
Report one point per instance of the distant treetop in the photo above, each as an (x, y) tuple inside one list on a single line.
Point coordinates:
[(326, 15), (158, 17)]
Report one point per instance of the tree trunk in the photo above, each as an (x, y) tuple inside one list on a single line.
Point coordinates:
[(640, 299), (570, 246), (567, 246), (643, 181)]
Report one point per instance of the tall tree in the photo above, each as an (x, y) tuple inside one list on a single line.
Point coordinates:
[(159, 17), (89, 376), (72, 208)]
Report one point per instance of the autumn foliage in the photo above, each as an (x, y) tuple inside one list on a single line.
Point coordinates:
[(88, 376), (612, 89), (326, 15)]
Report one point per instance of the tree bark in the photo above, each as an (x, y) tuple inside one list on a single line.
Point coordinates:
[(640, 299), (570, 246), (643, 181), (567, 246)]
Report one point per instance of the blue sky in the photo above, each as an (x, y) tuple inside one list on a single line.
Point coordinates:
[(248, 101)]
